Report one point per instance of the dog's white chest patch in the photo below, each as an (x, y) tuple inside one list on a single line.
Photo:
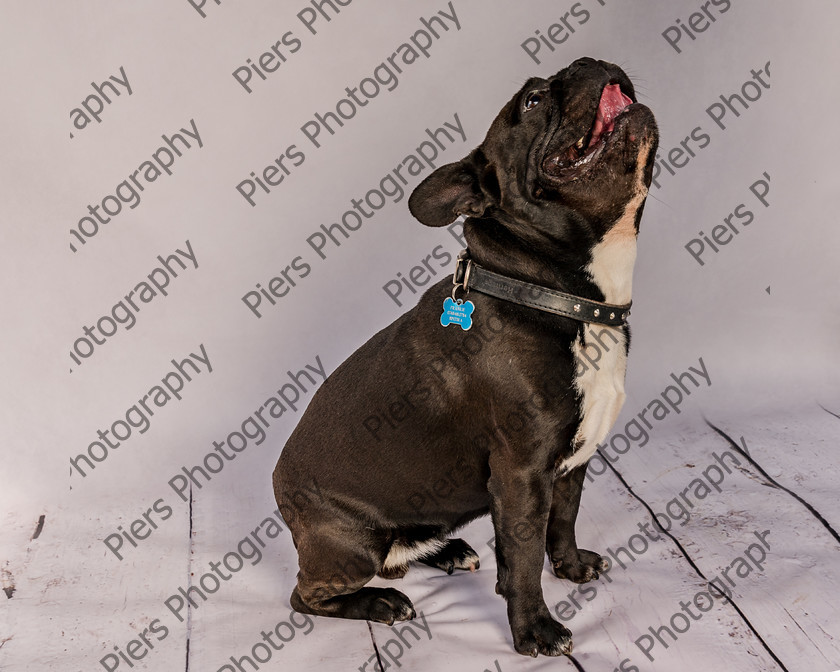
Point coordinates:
[(601, 390)]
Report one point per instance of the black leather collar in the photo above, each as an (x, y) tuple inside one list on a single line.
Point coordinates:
[(469, 275)]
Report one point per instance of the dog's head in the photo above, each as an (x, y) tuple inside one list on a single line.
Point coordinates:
[(565, 160)]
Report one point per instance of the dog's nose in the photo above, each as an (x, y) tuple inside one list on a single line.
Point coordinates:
[(581, 63)]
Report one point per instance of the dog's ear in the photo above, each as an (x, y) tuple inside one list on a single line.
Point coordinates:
[(452, 190)]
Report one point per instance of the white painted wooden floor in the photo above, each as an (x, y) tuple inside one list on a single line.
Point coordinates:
[(67, 605)]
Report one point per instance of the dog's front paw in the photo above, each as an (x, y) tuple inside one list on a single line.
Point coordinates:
[(586, 566), (542, 634)]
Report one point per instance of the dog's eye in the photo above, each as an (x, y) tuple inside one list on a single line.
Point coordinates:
[(532, 100)]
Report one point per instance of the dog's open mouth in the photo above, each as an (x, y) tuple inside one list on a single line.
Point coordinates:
[(568, 162)]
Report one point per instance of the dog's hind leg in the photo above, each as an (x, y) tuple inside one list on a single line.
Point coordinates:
[(334, 569), (456, 554)]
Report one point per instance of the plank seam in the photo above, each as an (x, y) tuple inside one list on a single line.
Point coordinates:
[(189, 583), (574, 660), (375, 647), (829, 412), (775, 483), (692, 563)]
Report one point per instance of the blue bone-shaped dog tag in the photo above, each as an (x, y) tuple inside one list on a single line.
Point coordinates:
[(459, 312)]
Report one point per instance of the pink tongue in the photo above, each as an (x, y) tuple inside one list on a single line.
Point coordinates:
[(613, 101)]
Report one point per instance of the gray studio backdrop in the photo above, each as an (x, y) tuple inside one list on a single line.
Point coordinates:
[(204, 213)]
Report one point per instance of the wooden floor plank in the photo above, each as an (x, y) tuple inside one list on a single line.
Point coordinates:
[(793, 589), (790, 601)]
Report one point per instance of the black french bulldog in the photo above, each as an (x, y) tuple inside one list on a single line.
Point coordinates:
[(425, 427)]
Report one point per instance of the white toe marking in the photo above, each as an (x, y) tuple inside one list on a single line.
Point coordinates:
[(400, 554)]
